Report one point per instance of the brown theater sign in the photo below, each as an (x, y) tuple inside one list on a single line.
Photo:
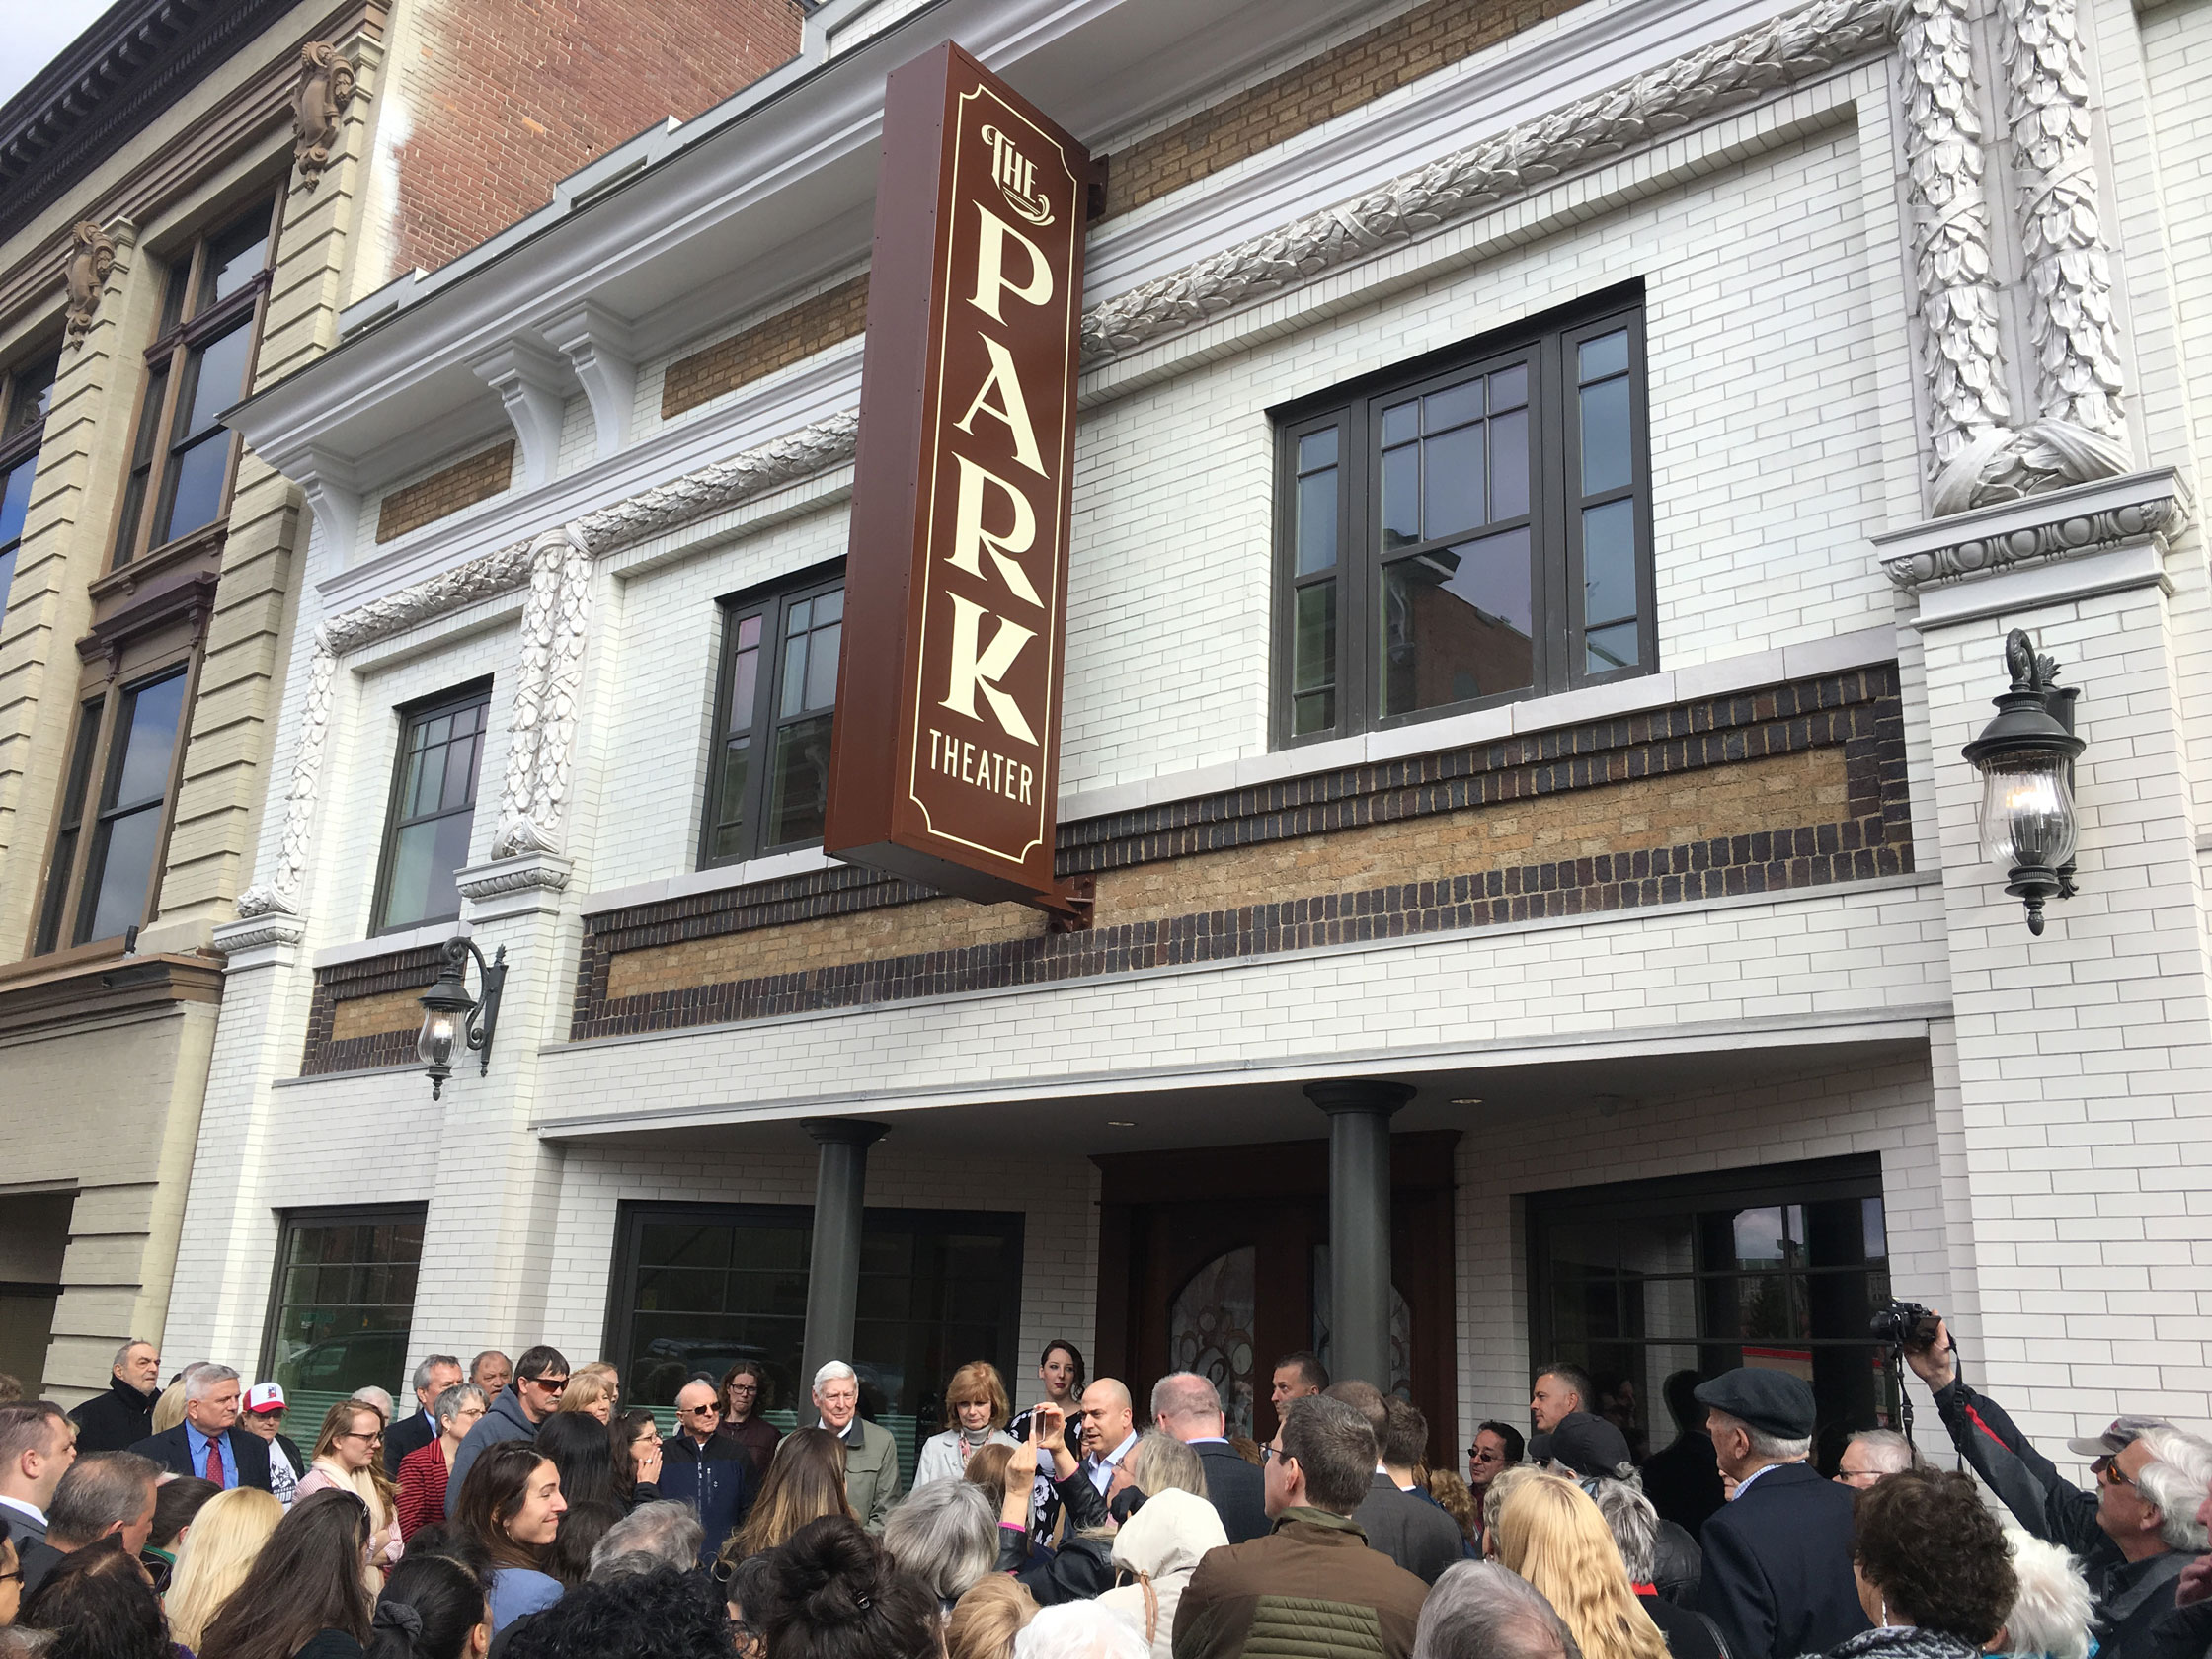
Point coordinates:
[(946, 763)]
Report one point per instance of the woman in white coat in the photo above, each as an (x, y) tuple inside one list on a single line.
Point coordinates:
[(975, 1413), (1161, 1546)]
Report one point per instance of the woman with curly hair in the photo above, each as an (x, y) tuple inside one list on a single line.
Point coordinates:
[(1550, 1532), (1933, 1573), (832, 1592)]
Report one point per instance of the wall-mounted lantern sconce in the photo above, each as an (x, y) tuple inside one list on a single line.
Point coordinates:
[(448, 1011), (2025, 756)]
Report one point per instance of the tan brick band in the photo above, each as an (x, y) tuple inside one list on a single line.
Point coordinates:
[(790, 336), (463, 484)]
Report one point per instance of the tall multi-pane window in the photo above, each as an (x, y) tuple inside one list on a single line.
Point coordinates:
[(1778, 1267), (104, 877), (342, 1303), (768, 774), (25, 393), (181, 456), (1467, 531), (433, 809)]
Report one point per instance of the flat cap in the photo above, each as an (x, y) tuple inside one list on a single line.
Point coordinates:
[(1771, 1401), (1586, 1444)]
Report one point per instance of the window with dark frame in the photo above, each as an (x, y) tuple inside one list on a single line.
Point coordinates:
[(341, 1303), (25, 393), (106, 868), (1779, 1266), (182, 459), (697, 1287), (1467, 531), (769, 772), (433, 808)]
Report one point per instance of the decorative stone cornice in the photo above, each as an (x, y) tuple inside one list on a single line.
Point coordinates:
[(2145, 506), (270, 928), (517, 873), (1786, 51)]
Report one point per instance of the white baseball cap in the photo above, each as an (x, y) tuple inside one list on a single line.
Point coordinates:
[(265, 1396)]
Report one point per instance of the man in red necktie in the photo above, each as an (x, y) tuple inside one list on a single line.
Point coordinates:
[(205, 1442)]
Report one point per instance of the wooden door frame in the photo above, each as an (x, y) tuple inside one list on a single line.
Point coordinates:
[(1422, 1189)]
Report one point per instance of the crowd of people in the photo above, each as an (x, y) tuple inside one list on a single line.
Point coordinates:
[(520, 1509)]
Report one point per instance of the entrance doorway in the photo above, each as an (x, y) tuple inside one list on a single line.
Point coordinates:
[(1217, 1261)]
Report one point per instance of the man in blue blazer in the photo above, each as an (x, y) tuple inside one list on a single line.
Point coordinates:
[(209, 1443), (1188, 1407), (1777, 1577)]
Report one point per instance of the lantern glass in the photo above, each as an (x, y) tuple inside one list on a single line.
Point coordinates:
[(2028, 811), (434, 1046)]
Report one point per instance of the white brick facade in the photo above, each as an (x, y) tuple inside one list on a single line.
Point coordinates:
[(2038, 1105)]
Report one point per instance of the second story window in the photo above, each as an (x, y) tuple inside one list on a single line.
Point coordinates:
[(181, 462), (24, 395), (1470, 531), (768, 776), (433, 809), (103, 879)]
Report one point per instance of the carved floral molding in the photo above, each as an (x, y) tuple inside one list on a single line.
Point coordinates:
[(2071, 524)]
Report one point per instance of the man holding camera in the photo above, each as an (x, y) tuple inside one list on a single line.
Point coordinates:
[(2135, 1532)]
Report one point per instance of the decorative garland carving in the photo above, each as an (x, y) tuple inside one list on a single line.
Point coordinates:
[(1756, 64), (326, 87), (92, 258), (542, 729), (1962, 354), (556, 567)]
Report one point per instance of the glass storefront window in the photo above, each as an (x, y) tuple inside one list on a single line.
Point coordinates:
[(1779, 1267), (342, 1305), (698, 1287)]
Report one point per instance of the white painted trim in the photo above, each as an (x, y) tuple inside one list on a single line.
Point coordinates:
[(2011, 592), (389, 944)]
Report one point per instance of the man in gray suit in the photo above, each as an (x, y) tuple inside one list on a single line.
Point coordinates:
[(1412, 1529), (37, 1448)]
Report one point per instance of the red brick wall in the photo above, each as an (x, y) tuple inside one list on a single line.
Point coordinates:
[(505, 98)]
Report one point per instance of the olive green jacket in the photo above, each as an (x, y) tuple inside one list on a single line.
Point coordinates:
[(1311, 1589), (871, 1474)]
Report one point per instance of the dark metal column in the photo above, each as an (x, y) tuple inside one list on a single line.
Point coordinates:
[(840, 1189), (1360, 1224)]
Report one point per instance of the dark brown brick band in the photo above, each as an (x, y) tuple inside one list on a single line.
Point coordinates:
[(1870, 835), (390, 980)]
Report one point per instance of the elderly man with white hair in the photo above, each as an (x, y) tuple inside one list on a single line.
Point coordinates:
[(652, 1536), (871, 1454), (2135, 1531), (1481, 1611), (1872, 1456), (209, 1443)]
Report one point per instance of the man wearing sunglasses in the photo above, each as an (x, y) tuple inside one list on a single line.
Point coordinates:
[(707, 1468), (539, 1377), (2135, 1531)]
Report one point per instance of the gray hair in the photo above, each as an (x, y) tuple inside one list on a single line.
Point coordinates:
[(422, 1378), (1080, 1630), (2176, 1479), (1185, 1393), (835, 1371), (202, 1375), (944, 1534), (375, 1399), (2052, 1609), (99, 1493), (1481, 1611), (1634, 1524), (1160, 1462), (651, 1537), (124, 1353), (1889, 1450), (449, 1404), (1768, 1447), (476, 1365)]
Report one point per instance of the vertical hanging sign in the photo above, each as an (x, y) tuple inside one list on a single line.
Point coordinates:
[(946, 759)]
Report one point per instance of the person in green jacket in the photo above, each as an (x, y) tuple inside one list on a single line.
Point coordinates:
[(871, 1454)]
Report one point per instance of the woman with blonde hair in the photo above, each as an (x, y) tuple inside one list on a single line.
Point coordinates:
[(349, 1453), (986, 1622), (805, 1481), (593, 1389), (227, 1535), (1550, 1534), (169, 1410), (977, 1412)]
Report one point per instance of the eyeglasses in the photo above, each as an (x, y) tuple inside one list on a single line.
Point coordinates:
[(1852, 1477), (2107, 1469), (744, 1387), (698, 1412), (356, 1434), (551, 1384), (1268, 1453), (17, 1576)]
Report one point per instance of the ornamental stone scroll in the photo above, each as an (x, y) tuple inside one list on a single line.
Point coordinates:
[(85, 273), (326, 86)]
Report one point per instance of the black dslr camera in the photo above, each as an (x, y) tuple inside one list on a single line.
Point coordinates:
[(1904, 1325)]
